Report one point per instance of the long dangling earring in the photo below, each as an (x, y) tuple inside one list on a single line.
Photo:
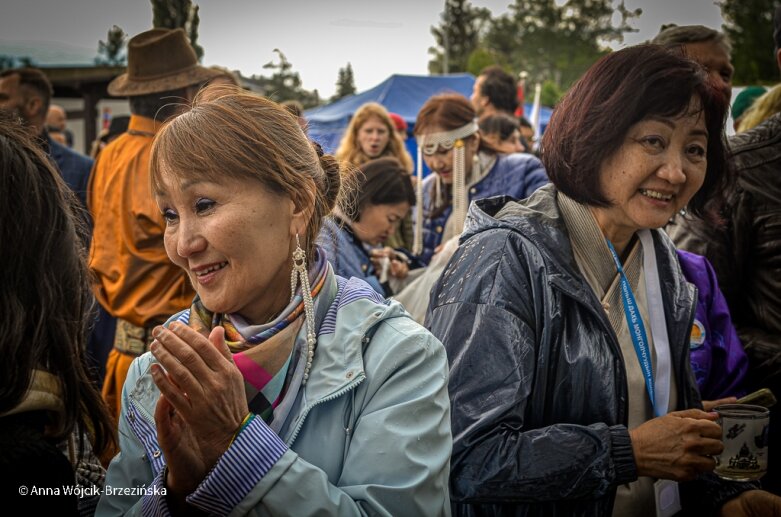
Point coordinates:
[(299, 272)]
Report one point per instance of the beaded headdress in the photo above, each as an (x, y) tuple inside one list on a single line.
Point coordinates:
[(428, 144)]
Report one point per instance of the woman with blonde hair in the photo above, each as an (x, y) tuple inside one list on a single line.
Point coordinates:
[(371, 135), (284, 389)]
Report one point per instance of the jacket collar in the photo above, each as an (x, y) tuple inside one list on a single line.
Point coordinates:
[(539, 219), (143, 125)]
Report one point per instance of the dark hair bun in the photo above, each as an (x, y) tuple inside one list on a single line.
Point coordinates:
[(333, 179)]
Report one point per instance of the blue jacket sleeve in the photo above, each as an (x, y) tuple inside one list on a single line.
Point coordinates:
[(535, 175)]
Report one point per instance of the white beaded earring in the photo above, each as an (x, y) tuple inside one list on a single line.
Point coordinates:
[(299, 272)]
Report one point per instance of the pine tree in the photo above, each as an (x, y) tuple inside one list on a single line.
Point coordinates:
[(345, 84), (174, 14), (457, 36), (110, 52), (284, 83)]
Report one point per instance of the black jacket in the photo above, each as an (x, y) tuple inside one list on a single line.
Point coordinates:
[(537, 382), (746, 253)]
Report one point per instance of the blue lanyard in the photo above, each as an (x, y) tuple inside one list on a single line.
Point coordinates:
[(636, 329)]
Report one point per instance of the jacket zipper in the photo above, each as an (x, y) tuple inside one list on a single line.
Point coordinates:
[(352, 385), (613, 340)]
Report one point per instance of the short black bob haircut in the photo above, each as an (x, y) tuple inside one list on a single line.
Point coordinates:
[(624, 87)]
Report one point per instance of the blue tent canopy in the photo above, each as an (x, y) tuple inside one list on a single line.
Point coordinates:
[(401, 94)]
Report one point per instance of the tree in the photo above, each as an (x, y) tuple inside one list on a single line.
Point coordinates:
[(110, 52), (749, 26), (550, 94), (479, 59), (174, 14), (457, 36), (285, 84), (345, 83), (556, 42)]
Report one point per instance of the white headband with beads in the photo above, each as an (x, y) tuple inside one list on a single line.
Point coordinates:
[(447, 139)]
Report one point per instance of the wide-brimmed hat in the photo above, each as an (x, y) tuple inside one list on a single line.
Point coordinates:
[(159, 60)]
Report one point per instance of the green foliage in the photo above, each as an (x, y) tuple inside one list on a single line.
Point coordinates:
[(192, 31), (749, 26), (550, 93), (345, 83), (285, 84), (555, 42), (7, 62), (479, 59), (457, 36), (110, 52), (173, 14)]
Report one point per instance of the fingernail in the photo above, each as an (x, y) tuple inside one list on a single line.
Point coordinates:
[(154, 346), (157, 331)]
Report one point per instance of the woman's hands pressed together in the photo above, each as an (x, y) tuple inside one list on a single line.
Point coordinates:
[(202, 402)]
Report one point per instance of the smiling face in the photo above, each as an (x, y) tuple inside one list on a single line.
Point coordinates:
[(378, 222), (373, 137), (234, 239), (654, 174)]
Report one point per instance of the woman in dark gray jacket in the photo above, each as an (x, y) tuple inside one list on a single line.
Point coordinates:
[(566, 317)]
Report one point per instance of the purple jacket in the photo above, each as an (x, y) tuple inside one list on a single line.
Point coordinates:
[(717, 357)]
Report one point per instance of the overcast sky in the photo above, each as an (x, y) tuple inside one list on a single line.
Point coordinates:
[(318, 37)]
